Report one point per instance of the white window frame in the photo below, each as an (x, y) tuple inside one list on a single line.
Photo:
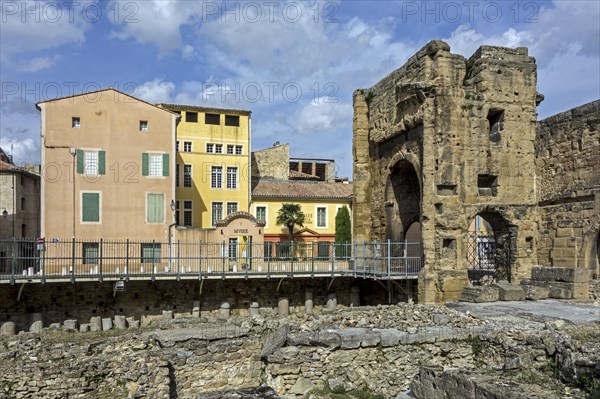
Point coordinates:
[(235, 182), (213, 220), (191, 176), (159, 156), (75, 122), (88, 166), (210, 148), (185, 146), (232, 148), (81, 192), (219, 182), (236, 208), (241, 149), (143, 126), (218, 148), (266, 213), (177, 145), (317, 207), (190, 211), (163, 206)]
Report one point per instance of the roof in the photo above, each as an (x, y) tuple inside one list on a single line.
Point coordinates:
[(294, 189), (6, 167), (183, 107), (37, 105), (294, 174)]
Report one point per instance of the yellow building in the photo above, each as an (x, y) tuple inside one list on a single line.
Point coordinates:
[(213, 164)]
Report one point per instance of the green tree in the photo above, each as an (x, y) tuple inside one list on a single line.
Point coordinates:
[(290, 215), (343, 232)]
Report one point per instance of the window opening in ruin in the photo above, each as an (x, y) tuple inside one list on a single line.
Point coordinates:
[(487, 185), (489, 248), (496, 124), (402, 200), (446, 189)]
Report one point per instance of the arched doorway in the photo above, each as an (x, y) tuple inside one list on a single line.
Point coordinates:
[(402, 202), (489, 248)]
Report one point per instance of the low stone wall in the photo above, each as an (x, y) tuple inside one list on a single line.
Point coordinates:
[(379, 349)]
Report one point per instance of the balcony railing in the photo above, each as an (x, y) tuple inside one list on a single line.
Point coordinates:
[(98, 260)]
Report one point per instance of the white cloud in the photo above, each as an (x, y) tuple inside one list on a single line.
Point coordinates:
[(156, 22), (155, 91), (187, 52), (24, 150), (39, 63), (29, 26)]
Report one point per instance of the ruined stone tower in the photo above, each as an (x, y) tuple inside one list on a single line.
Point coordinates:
[(440, 141)]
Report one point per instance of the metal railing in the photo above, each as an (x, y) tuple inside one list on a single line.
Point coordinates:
[(72, 259)]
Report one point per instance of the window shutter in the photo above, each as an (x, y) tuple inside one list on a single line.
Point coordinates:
[(165, 164), (90, 207), (156, 209), (80, 162), (145, 164), (101, 162)]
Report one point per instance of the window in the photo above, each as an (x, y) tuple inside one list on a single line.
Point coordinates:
[(90, 252), (191, 117), (210, 148), (155, 165), (23, 230), (487, 185), (155, 209), (238, 150), (177, 175), (143, 126), (231, 208), (150, 252), (232, 178), (232, 120), (187, 213), (321, 216), (218, 148), (230, 149), (187, 175), (212, 119), (177, 145), (90, 207), (22, 203), (187, 146), (216, 177), (177, 212), (496, 123), (217, 212), (90, 163), (233, 246), (261, 213), (75, 122)]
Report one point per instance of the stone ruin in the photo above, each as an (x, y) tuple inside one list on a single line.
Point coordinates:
[(443, 144)]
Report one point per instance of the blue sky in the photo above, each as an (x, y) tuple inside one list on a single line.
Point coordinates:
[(294, 64)]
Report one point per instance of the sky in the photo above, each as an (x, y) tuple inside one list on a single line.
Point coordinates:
[(293, 63)]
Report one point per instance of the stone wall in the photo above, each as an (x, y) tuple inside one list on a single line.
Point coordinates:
[(439, 141), (568, 163), (378, 349), (272, 163), (81, 301)]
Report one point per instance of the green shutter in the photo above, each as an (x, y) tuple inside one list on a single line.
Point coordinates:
[(165, 164), (90, 207), (145, 165), (80, 162), (101, 162), (156, 208)]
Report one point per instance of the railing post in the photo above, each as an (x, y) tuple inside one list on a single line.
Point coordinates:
[(354, 256), (332, 258), (100, 270), (269, 259), (14, 260), (153, 260), (178, 259), (312, 250), (43, 264), (127, 260), (374, 258), (223, 257), (292, 258), (364, 258), (200, 261), (389, 260), (73, 260)]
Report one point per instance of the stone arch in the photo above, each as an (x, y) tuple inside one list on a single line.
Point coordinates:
[(491, 246), (402, 198)]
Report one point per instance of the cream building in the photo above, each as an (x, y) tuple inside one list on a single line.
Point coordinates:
[(107, 167)]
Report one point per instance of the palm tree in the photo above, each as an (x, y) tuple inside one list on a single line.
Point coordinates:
[(289, 216)]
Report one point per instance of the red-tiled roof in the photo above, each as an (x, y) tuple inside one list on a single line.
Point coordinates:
[(301, 189), (294, 174)]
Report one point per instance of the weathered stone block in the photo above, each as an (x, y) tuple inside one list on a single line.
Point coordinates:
[(558, 289), (560, 293), (302, 386), (480, 294), (565, 274), (275, 341), (535, 293), (509, 292)]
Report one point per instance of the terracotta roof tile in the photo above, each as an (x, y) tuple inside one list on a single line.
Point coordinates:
[(301, 189)]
